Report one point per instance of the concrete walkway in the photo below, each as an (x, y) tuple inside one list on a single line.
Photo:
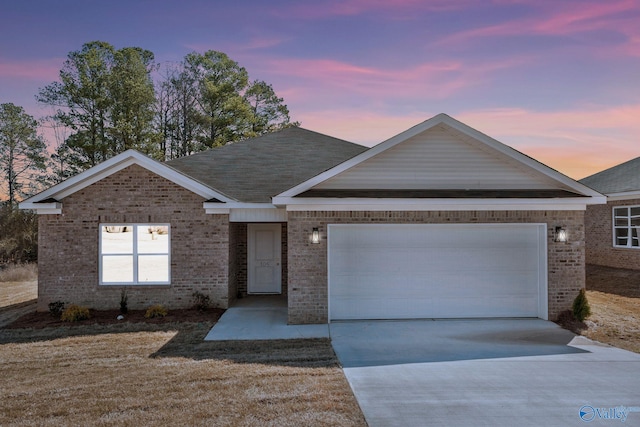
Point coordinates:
[(468, 376), (261, 318)]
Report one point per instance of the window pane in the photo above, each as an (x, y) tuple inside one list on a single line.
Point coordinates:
[(621, 211), (153, 239), (635, 211), (153, 268), (621, 236), (635, 222), (117, 239), (117, 269), (622, 222)]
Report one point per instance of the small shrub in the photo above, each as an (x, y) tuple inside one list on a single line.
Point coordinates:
[(56, 308), (581, 308), (201, 301), (156, 311), (75, 313), (124, 309)]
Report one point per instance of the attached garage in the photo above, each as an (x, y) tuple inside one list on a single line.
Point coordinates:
[(406, 271)]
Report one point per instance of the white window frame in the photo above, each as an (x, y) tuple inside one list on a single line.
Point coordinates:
[(135, 254), (630, 228)]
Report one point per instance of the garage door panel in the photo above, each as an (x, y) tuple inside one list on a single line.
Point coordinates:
[(385, 259), (456, 285), (436, 271)]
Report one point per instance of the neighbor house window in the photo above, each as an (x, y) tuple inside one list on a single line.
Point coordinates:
[(135, 254), (626, 227)]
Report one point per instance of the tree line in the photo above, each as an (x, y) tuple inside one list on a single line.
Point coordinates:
[(109, 100)]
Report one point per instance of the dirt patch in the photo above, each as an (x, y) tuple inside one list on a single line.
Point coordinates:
[(39, 320), (618, 281), (614, 320), (614, 297)]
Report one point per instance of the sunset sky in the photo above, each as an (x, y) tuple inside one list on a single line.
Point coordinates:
[(558, 80)]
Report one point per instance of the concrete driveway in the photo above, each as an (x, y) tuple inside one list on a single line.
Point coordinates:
[(485, 373)]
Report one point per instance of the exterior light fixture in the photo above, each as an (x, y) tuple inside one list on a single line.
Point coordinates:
[(561, 235), (315, 235)]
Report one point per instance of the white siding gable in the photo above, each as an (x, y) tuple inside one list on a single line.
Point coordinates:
[(440, 158)]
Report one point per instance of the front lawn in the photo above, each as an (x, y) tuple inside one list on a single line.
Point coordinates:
[(165, 375)]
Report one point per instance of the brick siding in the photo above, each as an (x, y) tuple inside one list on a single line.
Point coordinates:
[(599, 238), (68, 243), (308, 262)]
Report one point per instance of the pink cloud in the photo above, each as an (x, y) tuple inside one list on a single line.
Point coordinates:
[(45, 70), (429, 80), (554, 19), (393, 8)]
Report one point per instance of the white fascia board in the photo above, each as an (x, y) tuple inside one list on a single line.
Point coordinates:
[(627, 195), (42, 208), (225, 208), (347, 204), (118, 163)]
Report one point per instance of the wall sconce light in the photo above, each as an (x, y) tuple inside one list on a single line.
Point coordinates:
[(561, 235), (315, 235)]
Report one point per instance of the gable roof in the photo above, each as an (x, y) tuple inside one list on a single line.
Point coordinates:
[(254, 170), (440, 158), (48, 201), (622, 178)]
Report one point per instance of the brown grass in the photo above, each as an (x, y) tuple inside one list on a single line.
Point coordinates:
[(19, 273), (165, 375), (614, 296)]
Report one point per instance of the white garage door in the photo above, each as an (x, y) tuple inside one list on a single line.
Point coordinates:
[(407, 271)]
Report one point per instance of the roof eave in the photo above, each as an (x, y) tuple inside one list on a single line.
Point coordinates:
[(343, 204), (625, 195)]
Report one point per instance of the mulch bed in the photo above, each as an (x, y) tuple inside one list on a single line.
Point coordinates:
[(39, 320)]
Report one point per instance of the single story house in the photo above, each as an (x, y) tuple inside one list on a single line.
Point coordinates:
[(613, 230), (440, 221)]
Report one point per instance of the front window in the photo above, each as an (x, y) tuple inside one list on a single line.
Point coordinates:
[(135, 254), (626, 227)]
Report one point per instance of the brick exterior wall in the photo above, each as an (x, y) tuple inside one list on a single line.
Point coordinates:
[(308, 262), (599, 238), (68, 243)]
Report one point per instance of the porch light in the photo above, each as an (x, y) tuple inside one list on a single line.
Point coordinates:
[(315, 235), (561, 235)]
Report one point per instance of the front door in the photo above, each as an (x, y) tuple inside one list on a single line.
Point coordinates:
[(264, 275)]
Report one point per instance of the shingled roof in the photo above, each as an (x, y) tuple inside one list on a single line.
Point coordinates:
[(618, 179), (254, 170)]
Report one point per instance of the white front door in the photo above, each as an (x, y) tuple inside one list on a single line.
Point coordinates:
[(264, 272)]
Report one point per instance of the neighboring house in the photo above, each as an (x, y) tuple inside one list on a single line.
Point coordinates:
[(613, 230), (440, 221)]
